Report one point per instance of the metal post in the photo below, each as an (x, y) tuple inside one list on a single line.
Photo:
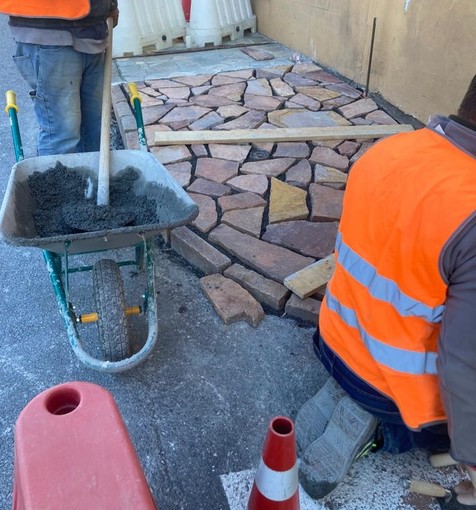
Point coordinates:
[(370, 57)]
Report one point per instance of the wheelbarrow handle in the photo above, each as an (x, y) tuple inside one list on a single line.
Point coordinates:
[(12, 108), (136, 100)]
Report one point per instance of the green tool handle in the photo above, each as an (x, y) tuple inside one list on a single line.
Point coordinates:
[(136, 100), (12, 108)]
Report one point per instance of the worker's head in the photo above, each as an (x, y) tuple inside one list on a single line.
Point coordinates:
[(467, 109)]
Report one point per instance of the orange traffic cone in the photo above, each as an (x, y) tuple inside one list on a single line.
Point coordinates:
[(276, 485)]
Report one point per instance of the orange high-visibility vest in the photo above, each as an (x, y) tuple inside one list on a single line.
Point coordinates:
[(60, 9), (405, 199)]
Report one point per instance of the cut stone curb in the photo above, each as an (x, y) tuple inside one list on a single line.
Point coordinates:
[(231, 301), (306, 310)]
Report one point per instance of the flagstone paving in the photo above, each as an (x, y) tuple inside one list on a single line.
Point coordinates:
[(266, 210)]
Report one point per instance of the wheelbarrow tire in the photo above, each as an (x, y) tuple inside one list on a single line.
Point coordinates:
[(111, 305)]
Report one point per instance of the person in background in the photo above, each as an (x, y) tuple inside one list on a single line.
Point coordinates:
[(60, 53), (397, 325)]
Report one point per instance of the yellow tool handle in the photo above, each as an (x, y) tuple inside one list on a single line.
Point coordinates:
[(133, 92), (11, 99), (426, 488)]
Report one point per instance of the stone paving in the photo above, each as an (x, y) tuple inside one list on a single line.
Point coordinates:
[(267, 210)]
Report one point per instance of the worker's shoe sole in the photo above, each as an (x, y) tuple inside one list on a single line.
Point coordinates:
[(314, 415), (328, 459)]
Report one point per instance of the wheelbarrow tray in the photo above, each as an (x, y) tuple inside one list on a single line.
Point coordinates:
[(174, 206)]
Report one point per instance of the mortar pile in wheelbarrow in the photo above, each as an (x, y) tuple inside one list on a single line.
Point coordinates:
[(157, 203)]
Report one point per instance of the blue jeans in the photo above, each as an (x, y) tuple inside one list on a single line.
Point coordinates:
[(67, 94), (392, 431)]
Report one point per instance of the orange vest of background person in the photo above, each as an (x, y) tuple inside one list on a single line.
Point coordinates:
[(405, 198), (61, 9)]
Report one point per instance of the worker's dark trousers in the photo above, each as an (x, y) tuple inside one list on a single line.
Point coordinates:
[(396, 436)]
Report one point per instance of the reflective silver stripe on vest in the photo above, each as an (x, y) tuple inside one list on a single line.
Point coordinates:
[(383, 288), (401, 360)]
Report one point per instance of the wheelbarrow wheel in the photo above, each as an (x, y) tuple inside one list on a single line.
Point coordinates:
[(111, 305)]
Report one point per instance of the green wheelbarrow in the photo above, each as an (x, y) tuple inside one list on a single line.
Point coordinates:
[(17, 228)]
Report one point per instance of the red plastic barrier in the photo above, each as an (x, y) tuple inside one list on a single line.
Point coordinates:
[(72, 450), (187, 5)]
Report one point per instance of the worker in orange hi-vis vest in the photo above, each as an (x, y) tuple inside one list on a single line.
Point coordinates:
[(60, 53), (397, 324)]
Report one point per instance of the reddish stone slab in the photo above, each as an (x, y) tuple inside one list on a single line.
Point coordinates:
[(348, 148), (231, 152), (259, 87), (328, 157), (176, 92), (258, 54), (380, 117), (248, 221), (231, 301), (306, 101), (157, 84), (199, 150), (269, 167), (347, 90), (268, 292), (300, 174), (363, 149), (265, 103), (199, 91), (296, 80), (210, 188), (249, 120), (222, 79), (194, 80), (198, 252), (208, 121), (245, 200), (305, 237), (231, 111), (323, 77), (218, 170), (358, 108), (306, 310), (269, 260), (281, 88), (326, 203), (292, 150), (207, 217), (337, 102), (245, 74), (272, 72), (182, 117), (254, 183), (211, 101), (168, 154), (233, 92), (304, 68)]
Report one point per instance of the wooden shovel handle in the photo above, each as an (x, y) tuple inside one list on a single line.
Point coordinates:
[(426, 488)]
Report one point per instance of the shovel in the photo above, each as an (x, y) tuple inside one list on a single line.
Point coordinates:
[(445, 497)]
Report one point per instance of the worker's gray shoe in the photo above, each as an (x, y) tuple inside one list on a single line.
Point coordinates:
[(314, 415), (328, 459)]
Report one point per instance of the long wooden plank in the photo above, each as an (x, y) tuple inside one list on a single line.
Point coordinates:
[(279, 134), (308, 281)]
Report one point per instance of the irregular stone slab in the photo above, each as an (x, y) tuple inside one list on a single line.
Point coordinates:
[(265, 103), (286, 202), (270, 167), (194, 80), (326, 203), (198, 91), (199, 150), (149, 91), (259, 87), (245, 74), (185, 167), (182, 117), (324, 174), (218, 170), (181, 178), (347, 90), (296, 80), (323, 77), (152, 114), (231, 301), (336, 102), (292, 150), (318, 93), (363, 149), (210, 188), (328, 157), (208, 121), (306, 237), (380, 117), (300, 175), (233, 92), (198, 252), (359, 121), (306, 67), (254, 183), (306, 101), (158, 84), (231, 152), (348, 148), (223, 79), (271, 261), (358, 108), (281, 88), (245, 200), (258, 54), (171, 153), (248, 221), (211, 101), (273, 72), (250, 120), (290, 105), (303, 118), (306, 310), (231, 111), (268, 292), (176, 92), (151, 130), (207, 216)]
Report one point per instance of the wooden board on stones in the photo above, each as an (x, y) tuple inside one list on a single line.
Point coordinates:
[(278, 134), (308, 281)]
